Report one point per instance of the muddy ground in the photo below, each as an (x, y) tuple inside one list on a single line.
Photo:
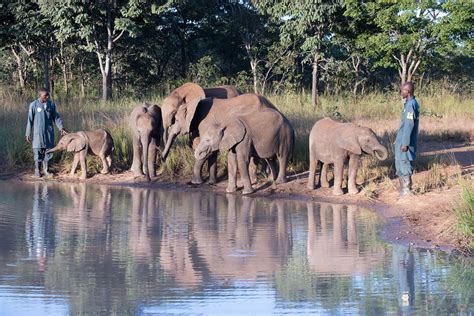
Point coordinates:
[(422, 220)]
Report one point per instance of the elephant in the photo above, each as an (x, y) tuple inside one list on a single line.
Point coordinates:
[(98, 142), (196, 116), (191, 91), (147, 127), (332, 142), (266, 134)]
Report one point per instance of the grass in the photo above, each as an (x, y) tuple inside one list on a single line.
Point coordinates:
[(380, 111), (464, 211)]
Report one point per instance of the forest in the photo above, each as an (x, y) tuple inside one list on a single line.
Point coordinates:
[(108, 49)]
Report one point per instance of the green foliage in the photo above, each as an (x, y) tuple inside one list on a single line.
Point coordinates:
[(464, 211), (267, 45)]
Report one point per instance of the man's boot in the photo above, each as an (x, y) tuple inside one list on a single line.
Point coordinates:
[(405, 186), (37, 170), (45, 169)]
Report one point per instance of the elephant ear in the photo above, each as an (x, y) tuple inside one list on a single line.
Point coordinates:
[(234, 133), (191, 108), (78, 142), (348, 140), (190, 91), (155, 111)]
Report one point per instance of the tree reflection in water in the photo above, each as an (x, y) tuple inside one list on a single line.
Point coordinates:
[(126, 250)]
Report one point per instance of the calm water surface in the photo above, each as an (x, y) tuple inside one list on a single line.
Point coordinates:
[(77, 249)]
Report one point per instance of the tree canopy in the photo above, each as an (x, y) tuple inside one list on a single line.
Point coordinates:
[(330, 46)]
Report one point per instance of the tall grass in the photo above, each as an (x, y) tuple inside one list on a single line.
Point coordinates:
[(464, 211), (86, 114)]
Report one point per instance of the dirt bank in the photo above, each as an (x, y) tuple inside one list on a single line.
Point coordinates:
[(422, 220)]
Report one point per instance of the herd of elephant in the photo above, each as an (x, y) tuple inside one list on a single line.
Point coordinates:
[(246, 126)]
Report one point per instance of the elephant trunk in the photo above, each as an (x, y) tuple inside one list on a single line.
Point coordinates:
[(381, 153), (145, 140), (169, 142), (202, 152), (52, 150)]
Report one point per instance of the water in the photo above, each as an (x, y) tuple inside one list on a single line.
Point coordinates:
[(77, 249)]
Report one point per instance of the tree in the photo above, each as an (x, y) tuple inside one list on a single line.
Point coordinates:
[(24, 31), (310, 21), (99, 24), (408, 32)]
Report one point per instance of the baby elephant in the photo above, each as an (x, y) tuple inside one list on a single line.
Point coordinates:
[(331, 142), (246, 137), (98, 142), (147, 129)]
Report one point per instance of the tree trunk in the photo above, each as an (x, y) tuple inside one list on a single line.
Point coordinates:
[(356, 65), (21, 78), (314, 84), (107, 68), (253, 66), (46, 71), (65, 80), (83, 83)]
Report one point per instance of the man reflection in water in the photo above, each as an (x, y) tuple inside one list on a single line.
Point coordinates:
[(403, 267), (40, 227)]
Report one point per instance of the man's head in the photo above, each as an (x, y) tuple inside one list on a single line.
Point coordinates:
[(43, 95), (406, 90)]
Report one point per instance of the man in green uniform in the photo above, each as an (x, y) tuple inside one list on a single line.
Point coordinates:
[(405, 144), (41, 115)]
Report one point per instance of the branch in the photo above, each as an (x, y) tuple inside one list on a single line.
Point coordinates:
[(354, 63), (118, 36), (274, 63), (29, 53), (413, 68), (14, 53), (395, 57), (410, 52)]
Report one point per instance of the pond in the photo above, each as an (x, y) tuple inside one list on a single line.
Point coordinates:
[(86, 249)]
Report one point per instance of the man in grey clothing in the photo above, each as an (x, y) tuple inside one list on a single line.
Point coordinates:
[(42, 114)]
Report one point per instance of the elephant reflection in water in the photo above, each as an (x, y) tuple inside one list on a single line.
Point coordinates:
[(140, 238), (252, 241), (177, 249), (230, 238), (335, 250), (40, 233), (91, 207)]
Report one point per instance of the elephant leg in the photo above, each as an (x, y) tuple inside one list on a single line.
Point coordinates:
[(145, 141), (353, 166), (105, 165), (338, 173), (109, 160), (253, 169), (212, 167), (323, 177), (283, 163), (273, 168), (82, 158), (243, 166), (197, 178), (152, 151), (74, 164), (137, 162), (231, 172), (313, 165)]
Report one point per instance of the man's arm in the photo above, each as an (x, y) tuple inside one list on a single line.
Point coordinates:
[(58, 121), (29, 123), (407, 127)]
